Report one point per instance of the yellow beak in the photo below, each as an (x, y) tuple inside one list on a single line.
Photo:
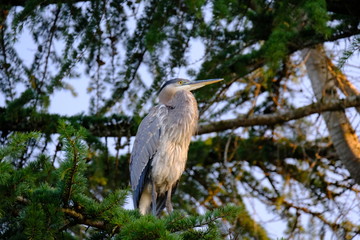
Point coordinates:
[(201, 83)]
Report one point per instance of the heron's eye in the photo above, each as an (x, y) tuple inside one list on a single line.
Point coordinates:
[(180, 82)]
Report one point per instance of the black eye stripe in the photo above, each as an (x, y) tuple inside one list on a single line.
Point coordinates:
[(176, 80)]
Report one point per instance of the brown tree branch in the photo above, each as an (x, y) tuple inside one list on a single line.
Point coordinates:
[(81, 219), (281, 117), (115, 126)]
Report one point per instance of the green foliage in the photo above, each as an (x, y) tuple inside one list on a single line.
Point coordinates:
[(45, 202), (318, 17), (67, 186), (179, 226), (354, 47), (287, 28), (72, 181), (17, 145)]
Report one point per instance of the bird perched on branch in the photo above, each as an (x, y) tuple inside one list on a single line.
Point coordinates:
[(161, 146)]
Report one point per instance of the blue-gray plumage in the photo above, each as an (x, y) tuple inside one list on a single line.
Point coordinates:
[(160, 150)]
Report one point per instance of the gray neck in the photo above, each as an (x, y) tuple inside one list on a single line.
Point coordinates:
[(166, 95), (182, 99)]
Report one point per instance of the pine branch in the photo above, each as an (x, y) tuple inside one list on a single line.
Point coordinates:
[(115, 126), (81, 219), (25, 120), (78, 217), (176, 222), (74, 166), (70, 178)]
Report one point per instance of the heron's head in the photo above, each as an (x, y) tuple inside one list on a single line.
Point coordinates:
[(170, 87)]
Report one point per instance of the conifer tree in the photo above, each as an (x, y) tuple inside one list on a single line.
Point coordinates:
[(46, 202), (262, 144)]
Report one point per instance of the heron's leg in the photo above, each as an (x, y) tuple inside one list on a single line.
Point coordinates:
[(153, 198), (145, 200), (168, 203)]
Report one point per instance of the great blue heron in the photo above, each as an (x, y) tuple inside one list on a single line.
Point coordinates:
[(160, 150)]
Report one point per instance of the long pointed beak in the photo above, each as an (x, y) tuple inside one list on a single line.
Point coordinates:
[(201, 83)]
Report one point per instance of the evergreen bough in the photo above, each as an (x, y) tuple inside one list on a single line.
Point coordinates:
[(45, 200)]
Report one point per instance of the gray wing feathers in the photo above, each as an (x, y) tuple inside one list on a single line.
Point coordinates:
[(146, 144)]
